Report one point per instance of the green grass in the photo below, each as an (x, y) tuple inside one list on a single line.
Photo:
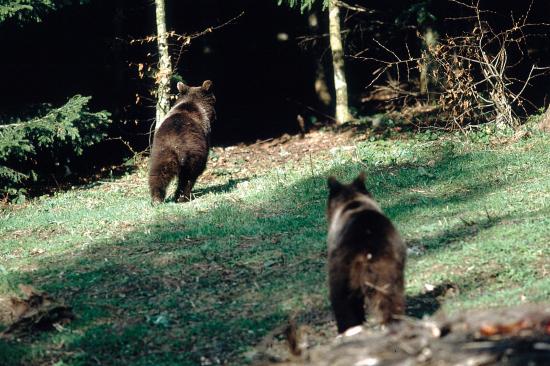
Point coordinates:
[(178, 283)]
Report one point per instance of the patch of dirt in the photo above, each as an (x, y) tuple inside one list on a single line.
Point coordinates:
[(243, 161)]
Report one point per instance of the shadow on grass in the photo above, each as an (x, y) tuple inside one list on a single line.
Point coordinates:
[(428, 302), (227, 187), (461, 232), (213, 284)]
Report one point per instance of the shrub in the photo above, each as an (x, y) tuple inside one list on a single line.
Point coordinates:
[(30, 149), (31, 10)]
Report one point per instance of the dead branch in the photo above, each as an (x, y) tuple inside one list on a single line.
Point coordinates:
[(471, 73), (355, 7)]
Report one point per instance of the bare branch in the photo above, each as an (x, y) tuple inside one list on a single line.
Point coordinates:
[(472, 73), (357, 8)]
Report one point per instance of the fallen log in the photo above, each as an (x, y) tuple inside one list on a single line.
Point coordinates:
[(511, 336)]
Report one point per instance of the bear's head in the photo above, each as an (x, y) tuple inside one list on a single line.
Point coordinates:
[(349, 196), (202, 95)]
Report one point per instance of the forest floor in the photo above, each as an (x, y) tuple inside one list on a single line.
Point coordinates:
[(215, 281)]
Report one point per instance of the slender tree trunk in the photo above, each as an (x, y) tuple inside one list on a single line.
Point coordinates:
[(165, 66), (342, 110), (321, 85), (544, 124), (429, 40)]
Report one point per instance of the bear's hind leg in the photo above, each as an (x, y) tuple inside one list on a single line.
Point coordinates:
[(182, 184), (160, 175), (389, 306), (187, 191), (157, 187), (347, 304)]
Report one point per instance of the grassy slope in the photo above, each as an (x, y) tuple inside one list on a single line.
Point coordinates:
[(172, 284)]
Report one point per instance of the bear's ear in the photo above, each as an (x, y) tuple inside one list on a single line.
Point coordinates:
[(334, 186), (207, 85), (182, 88), (359, 183)]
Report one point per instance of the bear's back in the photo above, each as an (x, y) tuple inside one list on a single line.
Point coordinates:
[(184, 128)]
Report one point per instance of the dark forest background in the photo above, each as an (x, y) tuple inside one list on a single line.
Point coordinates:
[(263, 63)]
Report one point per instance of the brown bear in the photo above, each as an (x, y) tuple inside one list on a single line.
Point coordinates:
[(181, 143), (366, 257)]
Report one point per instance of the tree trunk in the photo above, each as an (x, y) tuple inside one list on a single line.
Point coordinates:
[(321, 85), (164, 67), (544, 124), (340, 85), (429, 40)]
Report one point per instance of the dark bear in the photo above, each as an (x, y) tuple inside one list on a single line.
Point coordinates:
[(181, 143), (366, 257)]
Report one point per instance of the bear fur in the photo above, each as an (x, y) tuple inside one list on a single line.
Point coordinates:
[(182, 142), (366, 257)]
